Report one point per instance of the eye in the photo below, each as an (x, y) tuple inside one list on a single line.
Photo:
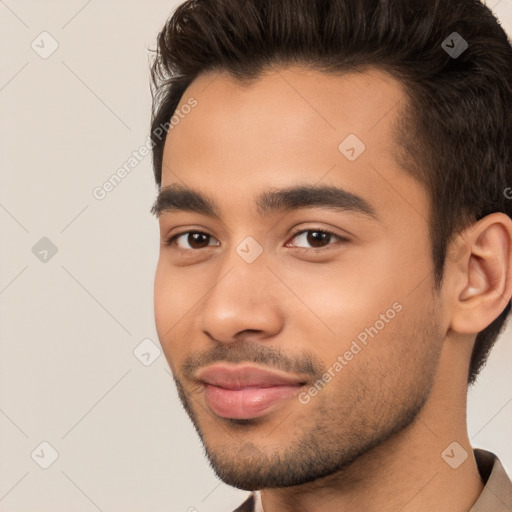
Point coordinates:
[(190, 240), (317, 238)]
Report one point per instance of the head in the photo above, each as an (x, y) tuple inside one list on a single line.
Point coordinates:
[(331, 188)]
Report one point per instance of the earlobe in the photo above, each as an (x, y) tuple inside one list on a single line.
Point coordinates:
[(484, 274)]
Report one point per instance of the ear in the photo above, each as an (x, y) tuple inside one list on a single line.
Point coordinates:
[(482, 276)]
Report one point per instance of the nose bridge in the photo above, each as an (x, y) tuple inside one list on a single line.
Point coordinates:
[(245, 276), (244, 267), (241, 297)]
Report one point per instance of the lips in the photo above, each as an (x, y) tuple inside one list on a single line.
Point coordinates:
[(244, 392), (246, 377)]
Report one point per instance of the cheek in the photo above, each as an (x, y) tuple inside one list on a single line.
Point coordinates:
[(170, 302), (393, 366), (178, 294), (364, 310), (161, 298), (342, 300)]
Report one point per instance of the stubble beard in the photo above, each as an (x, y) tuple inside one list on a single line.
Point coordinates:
[(321, 448)]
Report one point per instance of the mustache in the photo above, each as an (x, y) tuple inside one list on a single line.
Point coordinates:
[(257, 353)]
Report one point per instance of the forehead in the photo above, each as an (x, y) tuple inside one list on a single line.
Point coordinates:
[(293, 101), (292, 125)]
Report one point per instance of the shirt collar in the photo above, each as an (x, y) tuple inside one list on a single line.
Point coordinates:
[(497, 493)]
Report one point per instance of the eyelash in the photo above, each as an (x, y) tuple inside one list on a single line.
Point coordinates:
[(170, 241)]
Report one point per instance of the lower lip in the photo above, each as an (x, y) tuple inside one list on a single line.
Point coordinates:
[(248, 402)]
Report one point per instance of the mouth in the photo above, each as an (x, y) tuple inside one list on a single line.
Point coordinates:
[(244, 392)]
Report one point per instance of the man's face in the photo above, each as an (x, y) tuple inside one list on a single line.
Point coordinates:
[(347, 323)]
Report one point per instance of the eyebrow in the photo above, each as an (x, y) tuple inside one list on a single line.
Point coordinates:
[(176, 197)]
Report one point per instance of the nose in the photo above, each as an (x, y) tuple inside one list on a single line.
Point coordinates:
[(244, 298)]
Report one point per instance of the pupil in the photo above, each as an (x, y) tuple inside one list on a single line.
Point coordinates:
[(195, 238), (312, 240)]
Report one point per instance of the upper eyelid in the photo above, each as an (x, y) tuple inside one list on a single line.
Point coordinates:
[(338, 238), (327, 231)]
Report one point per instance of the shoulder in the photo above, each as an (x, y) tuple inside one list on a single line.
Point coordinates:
[(497, 493)]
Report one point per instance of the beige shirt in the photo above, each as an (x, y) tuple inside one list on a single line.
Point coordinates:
[(497, 493), (496, 496)]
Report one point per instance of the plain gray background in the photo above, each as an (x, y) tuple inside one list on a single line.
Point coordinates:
[(70, 321)]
